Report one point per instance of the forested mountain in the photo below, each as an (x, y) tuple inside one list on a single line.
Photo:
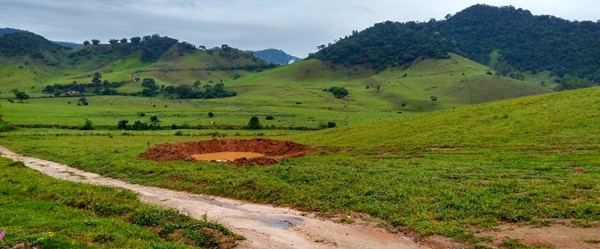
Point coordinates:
[(524, 41), (27, 44), (508, 39), (387, 44), (68, 44), (29, 47), (275, 56), (4, 31)]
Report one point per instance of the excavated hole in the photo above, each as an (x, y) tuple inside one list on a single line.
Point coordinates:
[(239, 152)]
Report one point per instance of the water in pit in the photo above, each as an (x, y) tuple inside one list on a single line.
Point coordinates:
[(226, 156)]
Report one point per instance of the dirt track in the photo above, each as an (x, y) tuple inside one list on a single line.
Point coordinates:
[(263, 226)]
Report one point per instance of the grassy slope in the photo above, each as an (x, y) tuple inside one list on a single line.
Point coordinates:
[(293, 94), (46, 213), (115, 67), (539, 122), (442, 78), (446, 172)]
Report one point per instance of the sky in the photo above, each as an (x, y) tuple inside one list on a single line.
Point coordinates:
[(295, 26)]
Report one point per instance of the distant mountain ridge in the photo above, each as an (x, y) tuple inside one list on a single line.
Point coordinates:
[(5, 31), (275, 56), (167, 59)]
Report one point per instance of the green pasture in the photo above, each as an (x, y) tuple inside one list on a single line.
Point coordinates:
[(109, 110), (42, 212), (447, 172)]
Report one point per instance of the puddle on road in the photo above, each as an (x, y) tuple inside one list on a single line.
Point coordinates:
[(280, 224)]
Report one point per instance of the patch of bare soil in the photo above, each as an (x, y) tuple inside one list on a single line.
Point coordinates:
[(273, 150), (560, 234), (263, 226)]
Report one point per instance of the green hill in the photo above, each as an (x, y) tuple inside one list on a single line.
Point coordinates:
[(511, 41), (454, 82), (30, 62), (564, 121)]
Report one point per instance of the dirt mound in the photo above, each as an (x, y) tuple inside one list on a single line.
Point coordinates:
[(272, 149)]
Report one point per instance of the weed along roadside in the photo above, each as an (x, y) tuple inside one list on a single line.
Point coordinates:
[(262, 226)]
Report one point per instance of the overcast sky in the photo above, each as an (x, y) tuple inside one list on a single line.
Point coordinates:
[(295, 26)]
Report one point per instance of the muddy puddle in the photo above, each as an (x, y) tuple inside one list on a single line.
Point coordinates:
[(226, 156)]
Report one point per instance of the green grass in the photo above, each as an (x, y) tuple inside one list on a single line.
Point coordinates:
[(445, 172), (46, 213)]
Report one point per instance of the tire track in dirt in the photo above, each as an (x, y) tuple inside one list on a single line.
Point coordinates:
[(263, 226)]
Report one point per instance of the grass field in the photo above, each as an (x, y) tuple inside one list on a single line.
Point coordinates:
[(446, 172), (450, 166), (43, 212)]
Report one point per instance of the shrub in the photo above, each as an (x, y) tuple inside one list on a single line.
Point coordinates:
[(270, 117), (254, 123), (338, 92), (88, 125)]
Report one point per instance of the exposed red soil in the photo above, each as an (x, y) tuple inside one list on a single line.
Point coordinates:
[(272, 149)]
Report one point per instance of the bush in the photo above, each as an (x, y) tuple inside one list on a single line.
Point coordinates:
[(270, 117), (88, 125), (211, 114), (254, 123), (338, 92)]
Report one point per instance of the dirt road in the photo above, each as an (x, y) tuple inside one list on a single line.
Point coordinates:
[(263, 226)]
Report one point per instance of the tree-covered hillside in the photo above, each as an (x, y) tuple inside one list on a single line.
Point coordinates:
[(387, 44), (4, 31), (26, 44), (525, 42), (510, 40)]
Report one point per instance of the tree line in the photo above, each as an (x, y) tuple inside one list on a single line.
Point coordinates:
[(195, 91)]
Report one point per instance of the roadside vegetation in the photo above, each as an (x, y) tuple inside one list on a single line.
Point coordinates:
[(39, 211)]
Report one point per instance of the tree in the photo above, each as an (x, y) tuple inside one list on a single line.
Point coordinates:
[(124, 40), (97, 79), (135, 40), (433, 99), (85, 43), (82, 101), (254, 123), (151, 87), (139, 126), (122, 125), (21, 96), (88, 125), (197, 84), (95, 41), (338, 92), (211, 114), (147, 37), (113, 41), (154, 120)]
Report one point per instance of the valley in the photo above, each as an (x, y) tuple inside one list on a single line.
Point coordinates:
[(416, 134)]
